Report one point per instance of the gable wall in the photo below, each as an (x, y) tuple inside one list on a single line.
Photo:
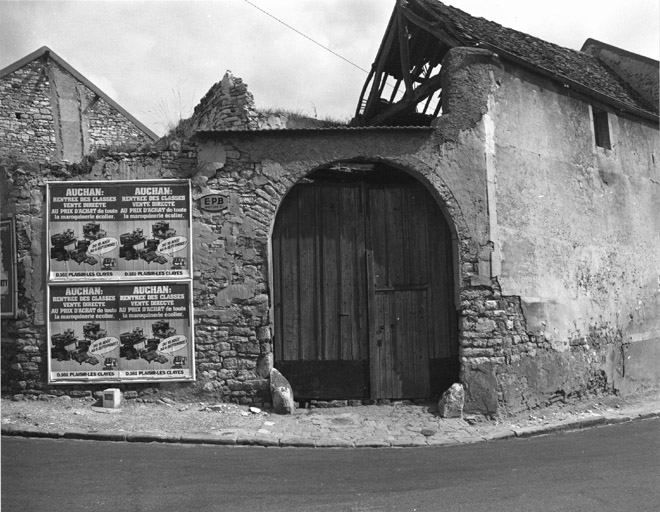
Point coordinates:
[(26, 114), (60, 118), (578, 233)]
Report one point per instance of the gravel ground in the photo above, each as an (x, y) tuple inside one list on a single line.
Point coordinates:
[(132, 416), (163, 415)]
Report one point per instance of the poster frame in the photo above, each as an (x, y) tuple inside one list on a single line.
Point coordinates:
[(118, 281), (118, 379), (105, 183), (9, 238)]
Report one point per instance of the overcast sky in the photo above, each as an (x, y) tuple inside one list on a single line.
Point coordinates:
[(158, 58)]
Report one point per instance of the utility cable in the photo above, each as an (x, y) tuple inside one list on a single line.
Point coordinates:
[(306, 36)]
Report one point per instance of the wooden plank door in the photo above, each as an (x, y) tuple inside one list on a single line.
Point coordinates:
[(363, 289), (403, 290), (319, 278)]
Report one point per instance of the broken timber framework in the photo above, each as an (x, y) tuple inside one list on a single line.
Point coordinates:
[(409, 54), (404, 85)]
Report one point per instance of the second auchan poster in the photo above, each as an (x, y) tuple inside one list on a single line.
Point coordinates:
[(119, 230), (108, 332)]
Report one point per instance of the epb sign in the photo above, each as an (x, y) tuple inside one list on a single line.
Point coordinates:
[(213, 202)]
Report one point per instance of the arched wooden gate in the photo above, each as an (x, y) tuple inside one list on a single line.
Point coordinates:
[(363, 290)]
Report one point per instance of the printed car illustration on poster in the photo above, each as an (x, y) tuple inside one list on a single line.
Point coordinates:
[(110, 332), (119, 230)]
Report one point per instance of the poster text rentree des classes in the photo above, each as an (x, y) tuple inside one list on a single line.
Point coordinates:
[(120, 289), (119, 230)]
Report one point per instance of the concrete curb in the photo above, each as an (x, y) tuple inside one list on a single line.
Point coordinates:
[(298, 442)]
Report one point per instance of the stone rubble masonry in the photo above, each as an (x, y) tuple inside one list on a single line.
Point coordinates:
[(506, 365), (108, 127), (26, 114), (31, 104), (231, 291), (228, 105)]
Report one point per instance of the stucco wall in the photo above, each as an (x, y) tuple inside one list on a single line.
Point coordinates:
[(579, 239)]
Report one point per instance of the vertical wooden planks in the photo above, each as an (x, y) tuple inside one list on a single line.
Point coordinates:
[(443, 345), (360, 344), (416, 230), (377, 228), (308, 270), (290, 316), (375, 327), (393, 215), (330, 271), (363, 272), (276, 247), (349, 275), (398, 228)]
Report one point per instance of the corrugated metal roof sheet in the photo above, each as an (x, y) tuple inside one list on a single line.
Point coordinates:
[(307, 130)]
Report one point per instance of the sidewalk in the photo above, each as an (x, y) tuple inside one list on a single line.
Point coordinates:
[(398, 425)]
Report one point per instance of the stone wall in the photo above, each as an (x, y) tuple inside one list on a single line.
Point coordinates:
[(228, 105), (556, 282), (23, 192), (26, 114), (47, 114), (109, 128)]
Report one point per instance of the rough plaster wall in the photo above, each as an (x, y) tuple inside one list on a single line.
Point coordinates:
[(26, 117), (69, 119), (87, 122), (579, 233)]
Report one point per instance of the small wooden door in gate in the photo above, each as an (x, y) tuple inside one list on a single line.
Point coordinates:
[(363, 292)]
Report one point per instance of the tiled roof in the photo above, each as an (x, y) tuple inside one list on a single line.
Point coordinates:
[(570, 66)]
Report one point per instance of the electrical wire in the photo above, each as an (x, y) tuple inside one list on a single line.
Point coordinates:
[(306, 36)]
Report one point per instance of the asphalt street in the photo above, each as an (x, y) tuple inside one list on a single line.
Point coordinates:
[(611, 468)]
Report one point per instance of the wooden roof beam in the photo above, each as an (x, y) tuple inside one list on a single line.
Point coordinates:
[(377, 68), (378, 78), (432, 28), (424, 90), (404, 51)]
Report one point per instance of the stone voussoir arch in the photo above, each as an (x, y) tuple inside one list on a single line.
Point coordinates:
[(424, 174)]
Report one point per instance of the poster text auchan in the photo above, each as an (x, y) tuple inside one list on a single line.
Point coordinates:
[(120, 289)]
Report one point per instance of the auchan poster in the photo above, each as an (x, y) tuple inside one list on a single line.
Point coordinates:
[(7, 268), (122, 230), (109, 332)]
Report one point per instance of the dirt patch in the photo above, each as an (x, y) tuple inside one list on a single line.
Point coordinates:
[(80, 414)]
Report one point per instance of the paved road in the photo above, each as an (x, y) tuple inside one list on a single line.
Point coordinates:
[(615, 468)]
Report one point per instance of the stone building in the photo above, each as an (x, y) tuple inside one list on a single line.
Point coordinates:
[(491, 217), (48, 110)]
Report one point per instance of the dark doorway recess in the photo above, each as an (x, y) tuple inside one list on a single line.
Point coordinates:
[(363, 287)]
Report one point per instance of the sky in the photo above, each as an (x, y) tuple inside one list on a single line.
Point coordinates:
[(158, 58)]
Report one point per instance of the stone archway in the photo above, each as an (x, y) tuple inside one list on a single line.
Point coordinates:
[(363, 285)]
